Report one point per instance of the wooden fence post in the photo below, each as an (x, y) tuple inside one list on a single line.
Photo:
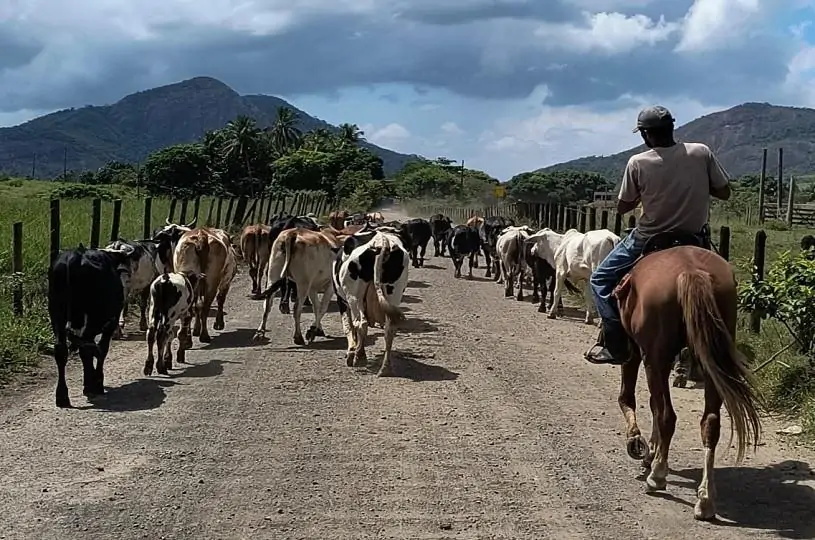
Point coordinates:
[(604, 219), (116, 220), (171, 213), (583, 219), (197, 207), (209, 212), (758, 274), (55, 230), (229, 208), (791, 202), (762, 187), (147, 223), (17, 267), (96, 222), (218, 212), (618, 223), (724, 242), (182, 218), (592, 218)]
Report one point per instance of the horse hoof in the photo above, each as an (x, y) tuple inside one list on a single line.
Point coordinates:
[(655, 484), (704, 510), (637, 447)]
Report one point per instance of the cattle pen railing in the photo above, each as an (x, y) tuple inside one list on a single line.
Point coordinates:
[(589, 217), (35, 243)]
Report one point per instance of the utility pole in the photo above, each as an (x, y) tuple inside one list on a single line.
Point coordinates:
[(65, 164), (34, 166)]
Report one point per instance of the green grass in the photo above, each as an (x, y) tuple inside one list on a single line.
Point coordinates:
[(22, 339)]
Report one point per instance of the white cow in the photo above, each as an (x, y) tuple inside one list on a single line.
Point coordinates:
[(172, 297), (369, 292), (510, 248), (573, 255), (305, 257)]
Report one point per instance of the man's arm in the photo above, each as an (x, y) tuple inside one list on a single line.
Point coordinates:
[(719, 179), (629, 196)]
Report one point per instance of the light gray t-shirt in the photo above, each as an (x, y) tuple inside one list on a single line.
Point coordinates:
[(674, 186)]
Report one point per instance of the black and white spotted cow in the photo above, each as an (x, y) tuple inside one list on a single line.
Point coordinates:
[(166, 239), (172, 297), (543, 279), (85, 297), (489, 229), (439, 225), (148, 265), (463, 241), (370, 274)]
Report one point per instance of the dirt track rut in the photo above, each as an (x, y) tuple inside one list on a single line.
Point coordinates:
[(496, 429)]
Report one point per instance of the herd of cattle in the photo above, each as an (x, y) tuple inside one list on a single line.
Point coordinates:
[(176, 275)]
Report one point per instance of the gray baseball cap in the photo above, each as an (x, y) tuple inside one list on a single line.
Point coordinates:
[(653, 117)]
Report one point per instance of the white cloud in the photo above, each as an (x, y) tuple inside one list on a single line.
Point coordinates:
[(393, 136), (451, 128), (606, 32), (713, 23)]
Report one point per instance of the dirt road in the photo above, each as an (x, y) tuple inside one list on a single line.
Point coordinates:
[(497, 429)]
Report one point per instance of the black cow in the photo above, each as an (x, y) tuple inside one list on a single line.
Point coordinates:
[(85, 299), (439, 225), (283, 223), (543, 278), (415, 234), (461, 242), (489, 231), (808, 246)]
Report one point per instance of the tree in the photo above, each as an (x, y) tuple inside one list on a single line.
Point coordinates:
[(566, 187), (438, 180), (285, 134), (241, 141), (180, 171), (350, 133)]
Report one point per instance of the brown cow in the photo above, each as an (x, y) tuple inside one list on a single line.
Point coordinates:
[(206, 251), (306, 258), (337, 219), (255, 244)]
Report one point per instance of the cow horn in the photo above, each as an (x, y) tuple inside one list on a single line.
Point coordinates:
[(191, 224), (167, 221)]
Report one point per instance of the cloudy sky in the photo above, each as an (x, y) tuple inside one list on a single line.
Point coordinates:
[(506, 85)]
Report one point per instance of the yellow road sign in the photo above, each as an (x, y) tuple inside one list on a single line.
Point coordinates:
[(500, 192)]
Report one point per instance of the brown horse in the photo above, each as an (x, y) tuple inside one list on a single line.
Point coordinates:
[(672, 298)]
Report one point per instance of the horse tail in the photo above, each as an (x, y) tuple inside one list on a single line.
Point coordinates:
[(711, 342)]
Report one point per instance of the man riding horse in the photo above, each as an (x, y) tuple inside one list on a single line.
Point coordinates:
[(674, 182)]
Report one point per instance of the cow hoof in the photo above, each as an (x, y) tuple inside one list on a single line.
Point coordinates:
[(551, 316), (63, 401), (93, 392), (680, 381), (349, 359), (259, 336), (385, 372), (298, 340), (148, 369), (219, 325), (162, 370), (475, 265), (360, 359), (205, 338), (196, 332), (284, 309), (535, 300), (310, 335)]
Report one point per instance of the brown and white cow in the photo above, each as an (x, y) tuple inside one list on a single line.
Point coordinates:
[(255, 244), (207, 251), (375, 217), (305, 257), (337, 218)]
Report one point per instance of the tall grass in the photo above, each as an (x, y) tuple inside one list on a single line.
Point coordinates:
[(23, 339)]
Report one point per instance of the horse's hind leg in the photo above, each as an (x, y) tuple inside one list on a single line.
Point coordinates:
[(657, 374), (705, 507), (635, 444)]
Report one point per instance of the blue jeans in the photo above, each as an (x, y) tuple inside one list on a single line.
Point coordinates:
[(608, 275)]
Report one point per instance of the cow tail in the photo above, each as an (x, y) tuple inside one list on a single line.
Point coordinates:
[(160, 305), (393, 313), (288, 249)]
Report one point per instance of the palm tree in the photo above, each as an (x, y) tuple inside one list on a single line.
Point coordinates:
[(351, 133), (285, 133), (318, 139), (241, 140)]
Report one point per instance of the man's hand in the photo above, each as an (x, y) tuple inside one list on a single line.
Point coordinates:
[(722, 193)]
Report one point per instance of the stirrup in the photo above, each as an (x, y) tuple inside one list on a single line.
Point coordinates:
[(591, 356)]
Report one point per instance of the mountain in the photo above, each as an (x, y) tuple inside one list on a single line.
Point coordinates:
[(737, 137), (133, 127)]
